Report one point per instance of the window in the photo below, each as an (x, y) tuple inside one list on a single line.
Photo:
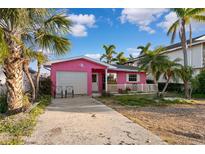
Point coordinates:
[(112, 78), (94, 77), (132, 78)]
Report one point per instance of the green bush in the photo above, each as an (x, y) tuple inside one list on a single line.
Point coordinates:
[(198, 83), (17, 128), (3, 104), (106, 94), (45, 86), (172, 87)]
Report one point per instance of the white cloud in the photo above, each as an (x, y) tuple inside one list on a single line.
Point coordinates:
[(81, 23), (93, 55), (141, 17), (78, 30), (133, 51), (171, 17)]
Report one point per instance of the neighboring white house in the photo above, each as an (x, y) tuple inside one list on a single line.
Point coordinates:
[(26, 84), (196, 54)]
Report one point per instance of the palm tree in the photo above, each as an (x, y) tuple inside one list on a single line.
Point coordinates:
[(28, 28), (185, 16), (153, 62), (28, 56), (171, 72), (120, 58), (144, 49), (108, 55), (41, 58)]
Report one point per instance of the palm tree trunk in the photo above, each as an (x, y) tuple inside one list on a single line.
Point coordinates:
[(186, 89), (26, 70), (165, 87), (37, 79), (14, 77), (184, 43)]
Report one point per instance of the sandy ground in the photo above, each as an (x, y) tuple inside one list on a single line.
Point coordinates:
[(175, 124), (83, 120)]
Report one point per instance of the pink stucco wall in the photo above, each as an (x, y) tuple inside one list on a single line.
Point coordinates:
[(83, 65), (122, 77), (80, 65)]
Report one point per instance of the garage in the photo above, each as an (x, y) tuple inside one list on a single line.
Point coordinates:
[(78, 80)]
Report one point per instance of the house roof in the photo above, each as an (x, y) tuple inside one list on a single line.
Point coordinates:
[(124, 67), (48, 64), (195, 40), (110, 66)]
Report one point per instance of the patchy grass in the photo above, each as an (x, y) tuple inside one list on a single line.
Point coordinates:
[(144, 100), (176, 122), (15, 127)]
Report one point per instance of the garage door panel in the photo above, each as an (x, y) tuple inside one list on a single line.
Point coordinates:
[(76, 79)]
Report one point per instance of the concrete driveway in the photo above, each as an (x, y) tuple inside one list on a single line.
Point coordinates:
[(83, 120)]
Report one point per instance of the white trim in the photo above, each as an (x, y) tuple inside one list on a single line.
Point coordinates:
[(79, 57), (124, 70), (106, 80), (127, 77), (202, 56), (96, 77)]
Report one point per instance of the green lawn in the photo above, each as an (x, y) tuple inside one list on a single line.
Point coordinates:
[(143, 100), (14, 128)]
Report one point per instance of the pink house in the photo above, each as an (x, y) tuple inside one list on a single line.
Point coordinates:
[(88, 76)]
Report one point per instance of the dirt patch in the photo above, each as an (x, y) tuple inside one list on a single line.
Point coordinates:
[(175, 124)]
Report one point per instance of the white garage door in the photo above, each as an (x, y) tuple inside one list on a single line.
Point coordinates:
[(76, 79)]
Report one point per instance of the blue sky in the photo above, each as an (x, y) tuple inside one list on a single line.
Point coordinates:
[(125, 28)]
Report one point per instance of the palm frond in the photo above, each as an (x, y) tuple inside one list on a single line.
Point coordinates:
[(199, 18), (195, 11), (173, 30), (56, 44)]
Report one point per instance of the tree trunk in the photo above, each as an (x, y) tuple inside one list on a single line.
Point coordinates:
[(165, 87), (186, 89), (14, 77), (37, 79), (26, 70), (184, 43)]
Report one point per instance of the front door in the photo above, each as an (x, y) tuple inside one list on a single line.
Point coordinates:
[(95, 82)]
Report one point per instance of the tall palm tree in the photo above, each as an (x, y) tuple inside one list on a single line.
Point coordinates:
[(41, 58), (109, 52), (153, 62), (28, 28), (185, 16), (171, 71), (120, 58)]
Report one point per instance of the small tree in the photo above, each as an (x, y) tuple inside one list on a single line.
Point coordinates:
[(171, 72), (153, 62), (185, 73), (41, 58)]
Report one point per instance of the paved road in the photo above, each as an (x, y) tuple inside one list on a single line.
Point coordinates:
[(83, 120)]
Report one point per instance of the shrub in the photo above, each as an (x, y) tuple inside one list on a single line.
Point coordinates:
[(106, 94), (172, 87), (121, 91), (198, 83), (45, 86)]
